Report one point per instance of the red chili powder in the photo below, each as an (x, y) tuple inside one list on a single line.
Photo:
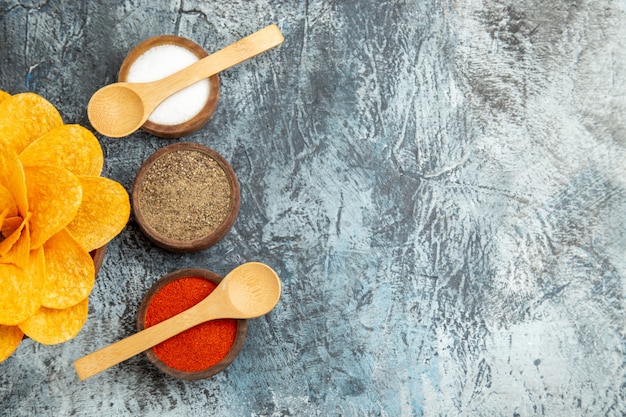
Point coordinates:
[(201, 346)]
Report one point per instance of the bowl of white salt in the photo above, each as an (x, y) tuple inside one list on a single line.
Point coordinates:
[(186, 111)]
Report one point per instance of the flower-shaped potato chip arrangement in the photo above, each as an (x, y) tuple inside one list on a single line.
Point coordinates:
[(55, 209)]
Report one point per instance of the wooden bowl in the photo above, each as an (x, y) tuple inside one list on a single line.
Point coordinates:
[(242, 327), (140, 208), (201, 118), (98, 257)]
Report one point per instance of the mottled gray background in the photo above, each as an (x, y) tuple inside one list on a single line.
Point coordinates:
[(440, 185)]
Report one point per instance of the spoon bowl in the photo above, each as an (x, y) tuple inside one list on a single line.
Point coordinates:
[(248, 291), (114, 119), (254, 292), (120, 109)]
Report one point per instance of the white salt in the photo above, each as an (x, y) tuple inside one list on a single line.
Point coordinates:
[(159, 62)]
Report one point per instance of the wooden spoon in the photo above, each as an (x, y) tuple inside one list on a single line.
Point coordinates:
[(120, 109), (248, 291)]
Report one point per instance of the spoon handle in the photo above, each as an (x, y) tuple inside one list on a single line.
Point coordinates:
[(242, 50), (100, 360)]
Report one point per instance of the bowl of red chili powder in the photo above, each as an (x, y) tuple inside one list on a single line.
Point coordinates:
[(203, 350)]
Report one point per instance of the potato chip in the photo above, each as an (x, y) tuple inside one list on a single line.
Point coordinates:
[(22, 290), (3, 216), (20, 251), (72, 147), (4, 95), (50, 326), (10, 240), (10, 224), (12, 177), (103, 213), (7, 202), (25, 117), (70, 272), (54, 196), (10, 338)]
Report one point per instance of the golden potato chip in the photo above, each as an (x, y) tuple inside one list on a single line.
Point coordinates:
[(25, 117), (12, 177), (3, 216), (10, 224), (22, 290), (103, 213), (7, 202), (50, 326), (10, 338), (20, 251), (54, 196), (4, 95), (72, 147), (70, 272), (10, 240)]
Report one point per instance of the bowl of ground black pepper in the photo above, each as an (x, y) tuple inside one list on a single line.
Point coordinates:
[(203, 350), (186, 111), (185, 197)]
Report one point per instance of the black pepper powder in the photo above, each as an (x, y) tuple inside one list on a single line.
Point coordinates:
[(185, 195)]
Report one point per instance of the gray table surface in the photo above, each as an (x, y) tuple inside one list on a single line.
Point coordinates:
[(439, 184)]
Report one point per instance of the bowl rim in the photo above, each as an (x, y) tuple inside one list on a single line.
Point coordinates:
[(186, 246), (200, 119), (242, 326)]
